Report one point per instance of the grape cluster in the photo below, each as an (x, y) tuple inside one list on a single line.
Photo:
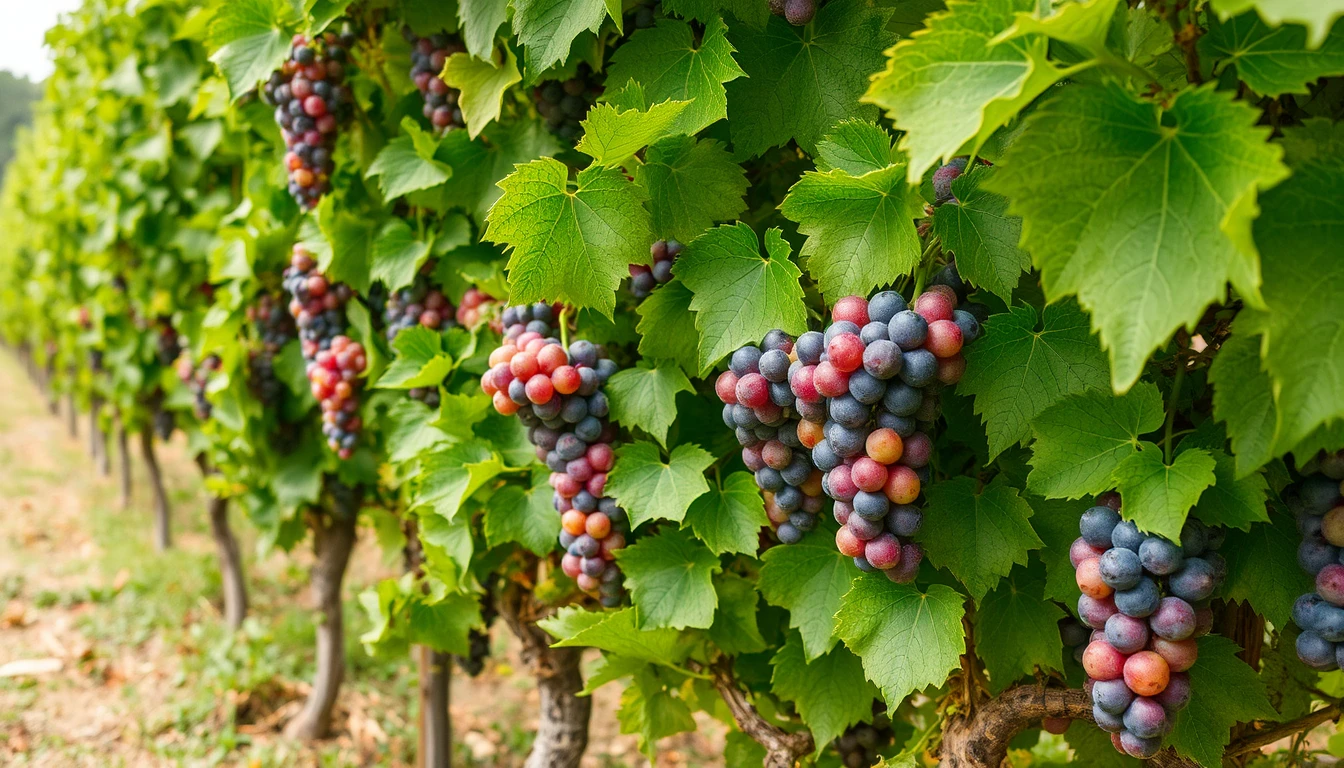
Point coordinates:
[(557, 393), (168, 344), (796, 12), (1320, 518), (478, 640), (643, 15), (564, 103), (943, 178), (859, 745), (474, 306), (1143, 643), (428, 55), (196, 377), (274, 328), (867, 390), (760, 409), (334, 360), (644, 279), (311, 103), (1075, 636), (164, 423), (417, 304)]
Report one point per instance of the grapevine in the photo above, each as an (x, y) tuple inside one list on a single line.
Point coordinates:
[(1320, 518)]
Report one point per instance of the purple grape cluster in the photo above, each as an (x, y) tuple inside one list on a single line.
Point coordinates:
[(273, 328), (418, 304), (196, 377), (311, 102), (760, 409), (428, 55), (644, 279), (1320, 517), (859, 746), (1146, 598), (564, 103), (557, 393), (168, 343)]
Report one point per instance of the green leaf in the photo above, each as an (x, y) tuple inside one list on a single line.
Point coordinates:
[(480, 21), (411, 431), (802, 80), (249, 41), (448, 547), (668, 63), (458, 414), (523, 516), (1017, 629), (856, 147), (573, 627), (397, 255), (691, 184), (444, 625), (809, 579), (1235, 695), (977, 536), (482, 82), (650, 710), (729, 519), (977, 229), (1084, 23), (448, 477), (479, 164), (645, 397), (1262, 568), (611, 134), (908, 640), (735, 630), (298, 477), (1317, 15), (667, 326), (1017, 370), (669, 577), (948, 85), (1243, 397), (1056, 522), (1082, 439), (1140, 211), (1158, 496), (859, 230), (547, 28), (420, 361), (1271, 61), (1233, 502), (707, 11), (739, 296), (829, 692), (648, 489), (571, 246), (401, 168)]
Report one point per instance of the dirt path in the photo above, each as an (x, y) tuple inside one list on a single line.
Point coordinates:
[(114, 655)]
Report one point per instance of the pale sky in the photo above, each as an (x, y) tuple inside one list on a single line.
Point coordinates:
[(23, 23)]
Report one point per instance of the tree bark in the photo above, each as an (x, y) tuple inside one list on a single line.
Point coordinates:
[(163, 536), (562, 731), (98, 438), (436, 735), (231, 571), (782, 748), (124, 448), (333, 538)]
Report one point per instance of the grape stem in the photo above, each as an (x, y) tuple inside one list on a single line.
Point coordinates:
[(564, 327)]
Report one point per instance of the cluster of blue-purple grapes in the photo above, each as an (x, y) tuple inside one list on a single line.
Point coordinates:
[(274, 328), (643, 279), (558, 395), (564, 103), (1146, 598), (760, 409), (428, 55), (1320, 517), (197, 377)]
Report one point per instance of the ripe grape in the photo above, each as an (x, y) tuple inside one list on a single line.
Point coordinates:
[(428, 55), (643, 279), (943, 178)]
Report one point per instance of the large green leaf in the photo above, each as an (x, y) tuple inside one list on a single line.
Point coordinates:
[(1317, 15), (1272, 61), (976, 228), (691, 184), (669, 577), (648, 489), (1262, 569), (1082, 439), (809, 579), (645, 397), (978, 536), (547, 28), (250, 41), (482, 83), (1234, 695), (729, 518), (1017, 629), (830, 691), (1158, 496)]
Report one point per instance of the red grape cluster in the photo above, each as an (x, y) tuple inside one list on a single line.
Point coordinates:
[(196, 377), (1320, 517), (310, 104), (417, 304), (334, 360), (1142, 642), (564, 103), (644, 279), (169, 345), (557, 393), (759, 407), (475, 306), (867, 390), (428, 55), (274, 327)]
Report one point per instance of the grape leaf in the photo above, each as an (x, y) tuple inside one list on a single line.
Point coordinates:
[(648, 489), (1084, 23), (1271, 61), (650, 710), (482, 82), (547, 28), (402, 167), (908, 640), (856, 147), (612, 134), (411, 430), (1234, 695), (977, 536), (739, 296), (449, 476), (444, 624), (669, 577), (707, 11), (809, 579), (829, 692), (459, 414), (947, 85), (420, 360), (571, 246), (977, 229), (397, 255), (859, 230), (691, 184), (1056, 522), (729, 518), (645, 397), (735, 630), (351, 239), (1016, 371), (479, 164), (480, 21), (614, 631), (250, 41), (1138, 210), (447, 546), (1231, 501), (1017, 629), (1243, 397), (1262, 568), (666, 61), (802, 80), (1083, 438), (525, 516), (1317, 15), (667, 326), (1158, 496)]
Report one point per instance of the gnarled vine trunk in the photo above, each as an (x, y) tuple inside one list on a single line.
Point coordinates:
[(562, 730), (782, 748), (97, 438), (436, 735), (333, 539), (230, 557), (124, 461), (163, 536), (46, 381)]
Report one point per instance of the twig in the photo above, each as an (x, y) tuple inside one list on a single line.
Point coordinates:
[(782, 749)]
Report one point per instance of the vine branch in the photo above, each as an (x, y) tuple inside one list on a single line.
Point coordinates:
[(782, 748)]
